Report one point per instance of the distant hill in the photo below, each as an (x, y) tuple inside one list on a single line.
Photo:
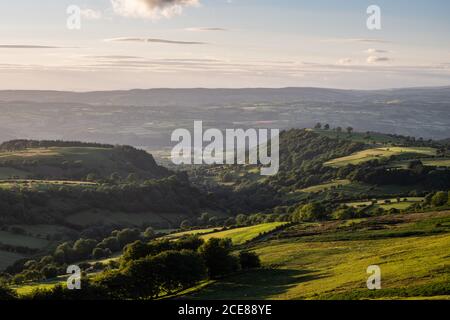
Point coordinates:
[(148, 117), (205, 97), (50, 160), (327, 165)]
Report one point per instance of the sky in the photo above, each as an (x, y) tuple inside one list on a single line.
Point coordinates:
[(126, 44)]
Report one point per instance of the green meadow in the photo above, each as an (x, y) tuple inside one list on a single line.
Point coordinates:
[(242, 235), (13, 239), (379, 153), (237, 235), (413, 257)]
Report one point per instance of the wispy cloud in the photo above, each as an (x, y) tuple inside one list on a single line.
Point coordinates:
[(27, 46), (153, 40), (117, 57), (375, 59), (202, 29), (374, 51), (151, 9), (357, 40)]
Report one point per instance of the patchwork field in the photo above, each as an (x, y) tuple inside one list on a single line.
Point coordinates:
[(387, 204), (378, 153)]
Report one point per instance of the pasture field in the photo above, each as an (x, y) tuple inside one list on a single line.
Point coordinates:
[(191, 232), (245, 234), (437, 162), (22, 240), (434, 162), (237, 235), (326, 186), (42, 184), (393, 203), (43, 230), (53, 153), (28, 288), (8, 173), (352, 190), (412, 265), (378, 153), (8, 258)]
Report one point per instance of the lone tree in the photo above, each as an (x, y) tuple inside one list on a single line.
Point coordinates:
[(327, 127), (318, 126), (349, 130)]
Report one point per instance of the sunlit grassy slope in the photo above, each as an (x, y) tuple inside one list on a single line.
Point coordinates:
[(377, 153), (238, 235), (316, 268), (242, 235), (325, 186)]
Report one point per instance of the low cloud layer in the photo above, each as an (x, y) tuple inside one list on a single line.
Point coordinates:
[(151, 9)]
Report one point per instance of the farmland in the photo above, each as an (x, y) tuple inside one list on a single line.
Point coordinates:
[(7, 258), (380, 153), (237, 235), (387, 204), (326, 186), (42, 184), (242, 235), (12, 239)]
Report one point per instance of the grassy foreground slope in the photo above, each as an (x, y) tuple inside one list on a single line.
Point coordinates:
[(413, 257)]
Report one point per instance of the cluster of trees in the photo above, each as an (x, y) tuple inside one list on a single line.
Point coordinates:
[(66, 253), (150, 270), (313, 211), (437, 199), (327, 127), (169, 195), (374, 172)]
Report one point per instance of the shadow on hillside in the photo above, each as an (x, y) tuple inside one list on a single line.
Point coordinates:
[(258, 284)]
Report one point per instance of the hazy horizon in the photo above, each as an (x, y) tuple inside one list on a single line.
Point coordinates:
[(234, 88)]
